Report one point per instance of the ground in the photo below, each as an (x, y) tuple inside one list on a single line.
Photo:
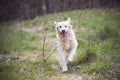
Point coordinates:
[(98, 35)]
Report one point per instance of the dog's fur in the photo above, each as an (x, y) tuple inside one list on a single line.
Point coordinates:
[(66, 43)]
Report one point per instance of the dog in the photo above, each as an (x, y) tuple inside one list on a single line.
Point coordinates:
[(66, 42)]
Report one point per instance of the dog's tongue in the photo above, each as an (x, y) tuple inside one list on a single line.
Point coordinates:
[(63, 34)]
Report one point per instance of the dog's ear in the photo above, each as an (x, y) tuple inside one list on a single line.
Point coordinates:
[(69, 19), (55, 22)]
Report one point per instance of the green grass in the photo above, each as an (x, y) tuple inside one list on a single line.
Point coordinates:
[(98, 35)]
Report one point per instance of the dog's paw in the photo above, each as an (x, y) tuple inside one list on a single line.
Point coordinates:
[(64, 69), (70, 58)]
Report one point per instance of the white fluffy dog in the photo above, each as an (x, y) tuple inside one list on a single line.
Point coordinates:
[(66, 43)]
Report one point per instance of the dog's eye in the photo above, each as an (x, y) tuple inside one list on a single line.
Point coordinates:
[(60, 26), (65, 26)]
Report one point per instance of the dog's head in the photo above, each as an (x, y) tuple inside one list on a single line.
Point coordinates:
[(63, 27)]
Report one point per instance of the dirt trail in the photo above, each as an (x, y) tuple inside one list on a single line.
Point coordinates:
[(72, 77), (64, 76)]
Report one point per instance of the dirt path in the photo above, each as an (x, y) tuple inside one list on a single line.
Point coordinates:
[(65, 76)]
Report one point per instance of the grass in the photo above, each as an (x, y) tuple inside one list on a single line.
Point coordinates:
[(98, 35)]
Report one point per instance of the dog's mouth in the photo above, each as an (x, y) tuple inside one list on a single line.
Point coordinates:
[(63, 33)]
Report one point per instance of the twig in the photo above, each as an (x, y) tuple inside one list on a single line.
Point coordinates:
[(51, 54), (44, 61)]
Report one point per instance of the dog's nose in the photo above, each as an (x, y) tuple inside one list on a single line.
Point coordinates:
[(63, 31)]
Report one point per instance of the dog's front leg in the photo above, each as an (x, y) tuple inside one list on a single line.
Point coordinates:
[(72, 54), (63, 63)]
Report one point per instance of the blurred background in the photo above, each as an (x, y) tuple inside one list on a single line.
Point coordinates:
[(29, 9)]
